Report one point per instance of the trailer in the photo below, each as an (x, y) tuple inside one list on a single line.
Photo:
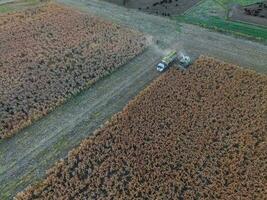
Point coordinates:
[(167, 61), (182, 60)]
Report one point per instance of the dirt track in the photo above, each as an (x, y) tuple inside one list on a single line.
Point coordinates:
[(25, 157), (191, 38)]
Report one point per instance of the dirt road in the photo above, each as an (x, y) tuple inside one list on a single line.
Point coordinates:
[(245, 53), (191, 38), (25, 157)]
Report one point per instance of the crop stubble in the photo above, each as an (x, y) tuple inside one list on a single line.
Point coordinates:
[(191, 134), (52, 52)]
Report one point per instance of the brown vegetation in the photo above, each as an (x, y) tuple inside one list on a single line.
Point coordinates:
[(52, 52), (196, 134)]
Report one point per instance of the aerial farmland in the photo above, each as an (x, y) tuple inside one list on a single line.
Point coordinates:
[(124, 99), (50, 62)]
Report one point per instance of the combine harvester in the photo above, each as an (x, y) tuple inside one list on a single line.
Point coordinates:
[(173, 57)]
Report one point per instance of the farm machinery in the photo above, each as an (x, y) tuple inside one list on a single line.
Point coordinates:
[(181, 59)]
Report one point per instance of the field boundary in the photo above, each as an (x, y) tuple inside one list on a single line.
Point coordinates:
[(189, 10), (248, 23), (244, 22), (213, 24)]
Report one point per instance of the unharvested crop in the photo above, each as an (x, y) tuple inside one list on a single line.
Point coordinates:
[(51, 52), (196, 134)]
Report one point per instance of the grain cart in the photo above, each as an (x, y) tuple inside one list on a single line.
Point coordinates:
[(170, 58)]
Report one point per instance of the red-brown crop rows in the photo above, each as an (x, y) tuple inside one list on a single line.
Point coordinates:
[(52, 52), (196, 134)]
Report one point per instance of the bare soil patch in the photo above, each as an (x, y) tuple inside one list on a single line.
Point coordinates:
[(158, 7), (191, 134), (52, 52), (255, 13)]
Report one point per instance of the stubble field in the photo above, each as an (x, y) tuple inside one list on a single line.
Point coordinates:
[(52, 52), (191, 134)]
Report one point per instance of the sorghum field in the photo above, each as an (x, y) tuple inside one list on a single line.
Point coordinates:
[(195, 134), (52, 52)]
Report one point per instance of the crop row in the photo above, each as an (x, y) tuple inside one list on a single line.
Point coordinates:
[(195, 134), (50, 53)]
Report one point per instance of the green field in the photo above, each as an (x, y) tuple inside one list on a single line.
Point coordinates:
[(212, 14), (241, 2), (5, 8)]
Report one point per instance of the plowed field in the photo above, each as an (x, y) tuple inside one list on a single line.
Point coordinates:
[(52, 52), (196, 134), (158, 7)]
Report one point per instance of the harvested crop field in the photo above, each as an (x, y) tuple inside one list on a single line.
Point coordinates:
[(255, 13), (158, 7), (52, 52), (196, 134)]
